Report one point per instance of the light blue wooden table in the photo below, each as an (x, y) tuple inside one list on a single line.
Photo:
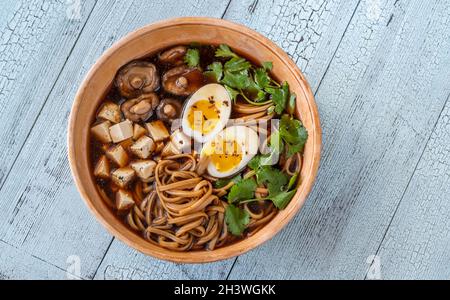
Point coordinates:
[(380, 70)]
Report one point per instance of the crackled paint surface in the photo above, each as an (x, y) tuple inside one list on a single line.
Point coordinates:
[(380, 71)]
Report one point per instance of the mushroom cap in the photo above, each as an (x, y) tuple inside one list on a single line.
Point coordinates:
[(136, 78), (140, 108), (182, 80), (169, 109), (173, 56)]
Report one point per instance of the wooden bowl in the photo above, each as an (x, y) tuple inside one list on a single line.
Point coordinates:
[(147, 41)]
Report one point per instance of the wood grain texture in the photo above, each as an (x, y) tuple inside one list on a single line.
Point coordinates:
[(123, 262), (17, 264), (381, 96), (40, 210), (417, 244), (309, 31), (36, 37), (379, 101), (320, 28)]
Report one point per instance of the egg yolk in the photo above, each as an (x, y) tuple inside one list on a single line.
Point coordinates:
[(225, 155), (204, 115)]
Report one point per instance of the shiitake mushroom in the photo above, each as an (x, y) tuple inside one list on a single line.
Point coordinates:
[(173, 56), (168, 110), (140, 108), (183, 80), (136, 78)]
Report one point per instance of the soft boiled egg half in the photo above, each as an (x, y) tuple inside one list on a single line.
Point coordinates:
[(206, 112), (230, 150)]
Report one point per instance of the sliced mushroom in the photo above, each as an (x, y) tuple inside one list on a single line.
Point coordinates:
[(140, 108), (182, 80), (136, 78), (173, 56), (168, 110)]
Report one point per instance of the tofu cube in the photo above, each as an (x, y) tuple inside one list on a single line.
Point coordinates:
[(170, 149), (181, 141), (110, 111), (121, 131), (123, 176), (143, 147), (118, 155), (157, 130), (144, 168), (102, 168), (101, 132), (159, 147), (138, 131), (124, 199)]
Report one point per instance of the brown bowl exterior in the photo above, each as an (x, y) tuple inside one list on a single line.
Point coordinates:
[(146, 41)]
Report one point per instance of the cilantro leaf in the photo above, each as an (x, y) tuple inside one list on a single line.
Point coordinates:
[(233, 93), (242, 190), (192, 57), (293, 133), (236, 80), (220, 183), (262, 160), (292, 181), (281, 200), (262, 79), (225, 51), (237, 219), (279, 96), (267, 65), (237, 64), (273, 178), (276, 143), (215, 70), (291, 104)]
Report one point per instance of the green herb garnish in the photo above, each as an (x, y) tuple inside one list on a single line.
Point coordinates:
[(215, 70), (281, 200), (268, 65), (192, 57), (220, 183), (243, 189), (237, 219), (293, 133), (225, 51)]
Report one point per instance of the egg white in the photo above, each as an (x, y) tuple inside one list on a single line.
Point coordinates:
[(245, 137), (218, 93)]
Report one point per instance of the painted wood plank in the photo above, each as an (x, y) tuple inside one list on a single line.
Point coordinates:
[(379, 101), (417, 244), (17, 264), (36, 38), (309, 31), (122, 262), (40, 210), (321, 29)]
